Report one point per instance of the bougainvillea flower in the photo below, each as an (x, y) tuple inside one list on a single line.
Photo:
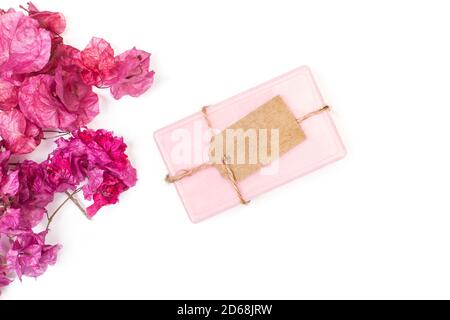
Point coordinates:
[(8, 95), (55, 53), (34, 189), (134, 75), (99, 62), (67, 166), (24, 46), (4, 279), (4, 160), (10, 187), (107, 193), (34, 193), (95, 180), (68, 56), (54, 22), (107, 152), (30, 256), (10, 221), (106, 165), (40, 103), (76, 96), (62, 55), (46, 86), (20, 135)]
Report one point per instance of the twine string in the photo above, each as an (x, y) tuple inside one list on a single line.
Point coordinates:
[(206, 116), (182, 174), (313, 114), (187, 173), (233, 180)]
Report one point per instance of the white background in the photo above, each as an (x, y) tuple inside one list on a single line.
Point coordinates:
[(375, 225)]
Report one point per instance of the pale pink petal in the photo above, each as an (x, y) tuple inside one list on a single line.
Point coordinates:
[(24, 46), (54, 22), (98, 59), (8, 95), (20, 135), (38, 102), (134, 78)]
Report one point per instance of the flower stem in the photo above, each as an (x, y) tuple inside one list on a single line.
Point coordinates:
[(25, 9), (76, 202), (50, 219), (57, 136), (55, 131)]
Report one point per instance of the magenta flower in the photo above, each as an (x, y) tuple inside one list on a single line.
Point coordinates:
[(46, 92), (10, 222), (34, 194), (4, 279), (10, 186), (107, 193), (30, 256), (20, 136), (40, 103), (54, 22), (8, 95), (100, 65), (98, 156), (67, 166), (107, 152), (4, 167), (77, 97), (134, 77), (24, 46)]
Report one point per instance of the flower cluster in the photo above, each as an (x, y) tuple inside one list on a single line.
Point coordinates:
[(46, 86)]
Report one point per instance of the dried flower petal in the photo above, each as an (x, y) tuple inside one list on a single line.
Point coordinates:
[(54, 22), (107, 152), (10, 222), (40, 102), (55, 55), (4, 279), (24, 46), (34, 193), (76, 96), (95, 180), (10, 187), (107, 193), (98, 156), (20, 135), (134, 78), (8, 95), (98, 59), (30, 256), (67, 166), (4, 160)]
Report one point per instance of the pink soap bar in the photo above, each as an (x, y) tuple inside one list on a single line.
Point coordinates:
[(185, 145)]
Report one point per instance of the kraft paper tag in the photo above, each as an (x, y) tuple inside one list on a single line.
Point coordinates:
[(256, 140)]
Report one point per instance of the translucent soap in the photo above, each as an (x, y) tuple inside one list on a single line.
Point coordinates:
[(185, 144)]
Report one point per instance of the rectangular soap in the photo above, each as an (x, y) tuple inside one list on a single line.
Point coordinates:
[(186, 144)]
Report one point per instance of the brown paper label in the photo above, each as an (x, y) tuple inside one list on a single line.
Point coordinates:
[(256, 140)]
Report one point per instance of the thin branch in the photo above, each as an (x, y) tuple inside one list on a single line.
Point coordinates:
[(50, 220), (57, 136), (55, 131), (76, 202)]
